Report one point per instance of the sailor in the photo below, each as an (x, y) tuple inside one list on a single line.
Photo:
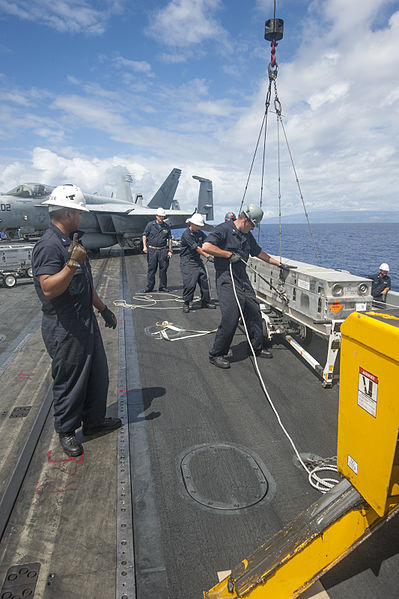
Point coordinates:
[(229, 216), (381, 284), (191, 265), (157, 244), (231, 242), (64, 284)]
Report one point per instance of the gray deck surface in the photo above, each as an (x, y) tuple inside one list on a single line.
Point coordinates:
[(64, 517)]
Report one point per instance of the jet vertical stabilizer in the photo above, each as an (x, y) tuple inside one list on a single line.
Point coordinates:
[(205, 197), (123, 191), (165, 194)]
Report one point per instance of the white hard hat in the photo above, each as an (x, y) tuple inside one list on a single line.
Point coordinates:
[(196, 219), (160, 212), (66, 196), (384, 266)]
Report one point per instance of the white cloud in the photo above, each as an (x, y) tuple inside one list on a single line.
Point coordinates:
[(65, 16), (339, 98), (183, 23), (138, 66)]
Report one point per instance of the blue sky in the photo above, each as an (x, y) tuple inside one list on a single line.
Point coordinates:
[(89, 88)]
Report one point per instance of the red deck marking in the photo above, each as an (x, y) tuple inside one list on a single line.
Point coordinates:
[(61, 467), (51, 484), (23, 376)]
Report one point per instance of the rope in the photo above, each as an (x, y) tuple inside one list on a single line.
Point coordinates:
[(281, 294), (279, 190), (321, 484), (263, 124), (278, 108), (151, 302)]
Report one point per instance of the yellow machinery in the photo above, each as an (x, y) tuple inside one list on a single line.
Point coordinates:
[(367, 456), (369, 408)]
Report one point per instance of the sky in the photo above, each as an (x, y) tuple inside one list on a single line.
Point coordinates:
[(92, 88)]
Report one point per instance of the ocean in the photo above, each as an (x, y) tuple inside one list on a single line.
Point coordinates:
[(359, 248)]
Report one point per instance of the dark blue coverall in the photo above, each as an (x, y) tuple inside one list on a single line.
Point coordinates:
[(158, 235), (72, 337), (378, 285), (227, 237), (191, 266)]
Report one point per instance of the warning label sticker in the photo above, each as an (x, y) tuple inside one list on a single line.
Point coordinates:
[(353, 465), (368, 392)]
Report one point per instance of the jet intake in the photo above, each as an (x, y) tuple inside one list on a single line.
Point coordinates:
[(95, 241)]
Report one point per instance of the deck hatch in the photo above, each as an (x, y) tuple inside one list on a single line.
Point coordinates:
[(20, 581), (223, 476), (20, 412)]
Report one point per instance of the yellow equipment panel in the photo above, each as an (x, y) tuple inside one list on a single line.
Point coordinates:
[(368, 421)]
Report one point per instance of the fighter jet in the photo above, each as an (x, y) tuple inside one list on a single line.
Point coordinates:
[(110, 220)]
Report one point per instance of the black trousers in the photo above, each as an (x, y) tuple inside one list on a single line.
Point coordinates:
[(155, 258), (194, 272), (231, 314), (80, 374)]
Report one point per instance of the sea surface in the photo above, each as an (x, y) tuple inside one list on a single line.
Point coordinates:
[(359, 248)]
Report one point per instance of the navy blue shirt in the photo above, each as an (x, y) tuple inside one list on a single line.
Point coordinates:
[(157, 234), (379, 284), (49, 256), (189, 242), (227, 237)]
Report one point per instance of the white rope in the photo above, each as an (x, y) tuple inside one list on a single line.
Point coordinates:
[(151, 303), (321, 484)]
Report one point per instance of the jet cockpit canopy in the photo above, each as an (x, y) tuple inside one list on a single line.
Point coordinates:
[(31, 190)]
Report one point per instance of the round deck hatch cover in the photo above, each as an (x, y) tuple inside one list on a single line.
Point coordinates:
[(223, 476)]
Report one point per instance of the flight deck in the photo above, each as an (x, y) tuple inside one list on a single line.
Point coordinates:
[(197, 478)]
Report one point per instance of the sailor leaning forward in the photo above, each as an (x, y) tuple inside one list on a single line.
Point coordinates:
[(157, 244), (191, 265), (231, 242)]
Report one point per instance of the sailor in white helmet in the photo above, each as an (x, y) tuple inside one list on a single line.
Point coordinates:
[(191, 265), (64, 284), (381, 285), (157, 244)]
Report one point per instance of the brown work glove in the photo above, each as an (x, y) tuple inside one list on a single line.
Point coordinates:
[(77, 251)]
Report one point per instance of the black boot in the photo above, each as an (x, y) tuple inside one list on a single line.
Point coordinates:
[(105, 426), (219, 361), (205, 304), (70, 444), (186, 307)]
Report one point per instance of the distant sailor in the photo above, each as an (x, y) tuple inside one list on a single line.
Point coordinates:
[(381, 284), (64, 284), (157, 244), (191, 265), (229, 216), (229, 242)]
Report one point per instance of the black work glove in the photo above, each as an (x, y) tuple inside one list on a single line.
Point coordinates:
[(234, 258), (109, 317), (210, 259), (287, 266), (77, 251)]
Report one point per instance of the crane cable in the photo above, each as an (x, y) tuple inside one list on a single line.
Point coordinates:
[(272, 73), (278, 108)]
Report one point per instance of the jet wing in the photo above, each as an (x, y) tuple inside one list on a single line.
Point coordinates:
[(115, 207)]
